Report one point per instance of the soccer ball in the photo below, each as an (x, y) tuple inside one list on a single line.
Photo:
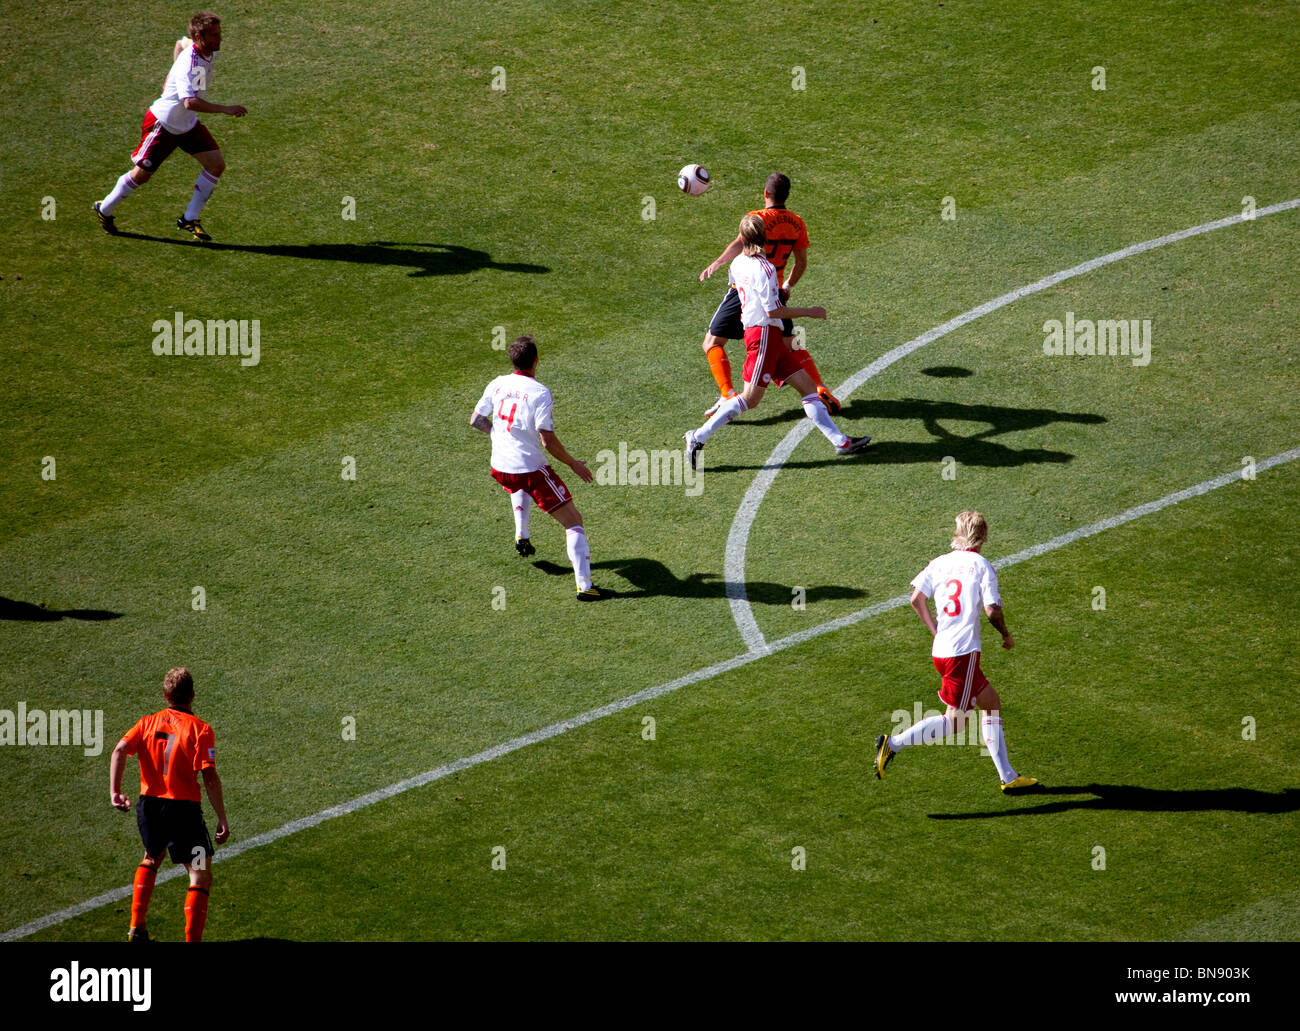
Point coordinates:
[(693, 180)]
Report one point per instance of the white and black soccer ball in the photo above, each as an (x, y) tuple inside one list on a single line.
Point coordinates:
[(693, 180)]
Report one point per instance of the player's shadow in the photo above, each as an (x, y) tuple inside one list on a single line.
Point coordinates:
[(1128, 798), (26, 611), (427, 259), (976, 448), (652, 579)]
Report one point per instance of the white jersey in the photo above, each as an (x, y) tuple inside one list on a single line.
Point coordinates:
[(757, 282), (190, 76), (519, 406), (961, 584)]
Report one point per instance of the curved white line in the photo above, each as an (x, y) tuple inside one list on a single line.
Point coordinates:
[(738, 537)]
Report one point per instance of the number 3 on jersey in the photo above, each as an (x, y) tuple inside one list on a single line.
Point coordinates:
[(501, 413), (953, 608)]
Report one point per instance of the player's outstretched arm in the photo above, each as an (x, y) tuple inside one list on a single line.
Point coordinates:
[(552, 444), (921, 604), (206, 107), (994, 612), (116, 764), (785, 312), (212, 785), (735, 247), (481, 422)]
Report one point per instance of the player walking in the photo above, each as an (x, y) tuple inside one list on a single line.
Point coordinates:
[(174, 746), (960, 582), (767, 357), (516, 411), (173, 121), (786, 235)]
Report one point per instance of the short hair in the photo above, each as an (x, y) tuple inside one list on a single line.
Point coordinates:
[(201, 22), (972, 531), (778, 186), (178, 686), (753, 230), (523, 353)]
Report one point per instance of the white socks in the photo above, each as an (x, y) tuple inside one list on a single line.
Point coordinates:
[(521, 502), (816, 411), (991, 729), (124, 188), (725, 413), (575, 542), (927, 732), (203, 187)]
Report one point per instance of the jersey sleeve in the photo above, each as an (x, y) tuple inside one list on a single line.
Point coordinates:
[(132, 738), (802, 242), (989, 585), (924, 582), (769, 296), (206, 756), (544, 413), (184, 75), (484, 406)]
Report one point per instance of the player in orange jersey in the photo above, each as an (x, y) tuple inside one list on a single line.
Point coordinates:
[(174, 746), (787, 236)]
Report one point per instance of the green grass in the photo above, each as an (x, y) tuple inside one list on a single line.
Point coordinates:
[(329, 599)]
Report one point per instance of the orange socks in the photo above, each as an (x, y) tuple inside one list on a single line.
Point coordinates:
[(808, 365), (196, 913), (141, 893), (720, 366)]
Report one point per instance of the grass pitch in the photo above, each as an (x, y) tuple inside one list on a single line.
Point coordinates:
[(1160, 721)]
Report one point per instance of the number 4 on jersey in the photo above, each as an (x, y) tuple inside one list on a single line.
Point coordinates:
[(501, 413)]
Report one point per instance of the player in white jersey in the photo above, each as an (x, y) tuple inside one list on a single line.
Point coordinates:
[(961, 583), (516, 411), (173, 121), (767, 357)]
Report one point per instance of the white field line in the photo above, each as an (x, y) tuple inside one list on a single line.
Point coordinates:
[(632, 700), (738, 538), (783, 451)]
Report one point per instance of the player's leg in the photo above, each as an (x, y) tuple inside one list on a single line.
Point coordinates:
[(141, 892), (928, 731), (521, 504), (817, 413), (155, 144), (805, 359), (196, 899), (575, 543), (990, 706), (202, 146), (725, 325)]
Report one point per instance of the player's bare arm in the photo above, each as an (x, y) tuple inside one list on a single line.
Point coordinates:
[(116, 764), (552, 444), (994, 612), (921, 604), (735, 247), (481, 423), (212, 785), (206, 107), (786, 312), (796, 273)]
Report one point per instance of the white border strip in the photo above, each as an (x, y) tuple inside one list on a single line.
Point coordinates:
[(734, 559)]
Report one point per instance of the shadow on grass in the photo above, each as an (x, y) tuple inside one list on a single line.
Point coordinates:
[(428, 259), (1149, 800), (26, 611), (652, 579), (977, 449)]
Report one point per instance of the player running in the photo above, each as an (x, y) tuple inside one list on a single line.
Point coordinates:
[(767, 358), (515, 410), (960, 582), (173, 121), (174, 746), (786, 235)]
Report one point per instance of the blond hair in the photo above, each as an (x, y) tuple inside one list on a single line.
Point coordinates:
[(753, 230), (972, 531)]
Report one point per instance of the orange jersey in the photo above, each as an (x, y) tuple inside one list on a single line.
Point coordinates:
[(785, 233), (173, 746)]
